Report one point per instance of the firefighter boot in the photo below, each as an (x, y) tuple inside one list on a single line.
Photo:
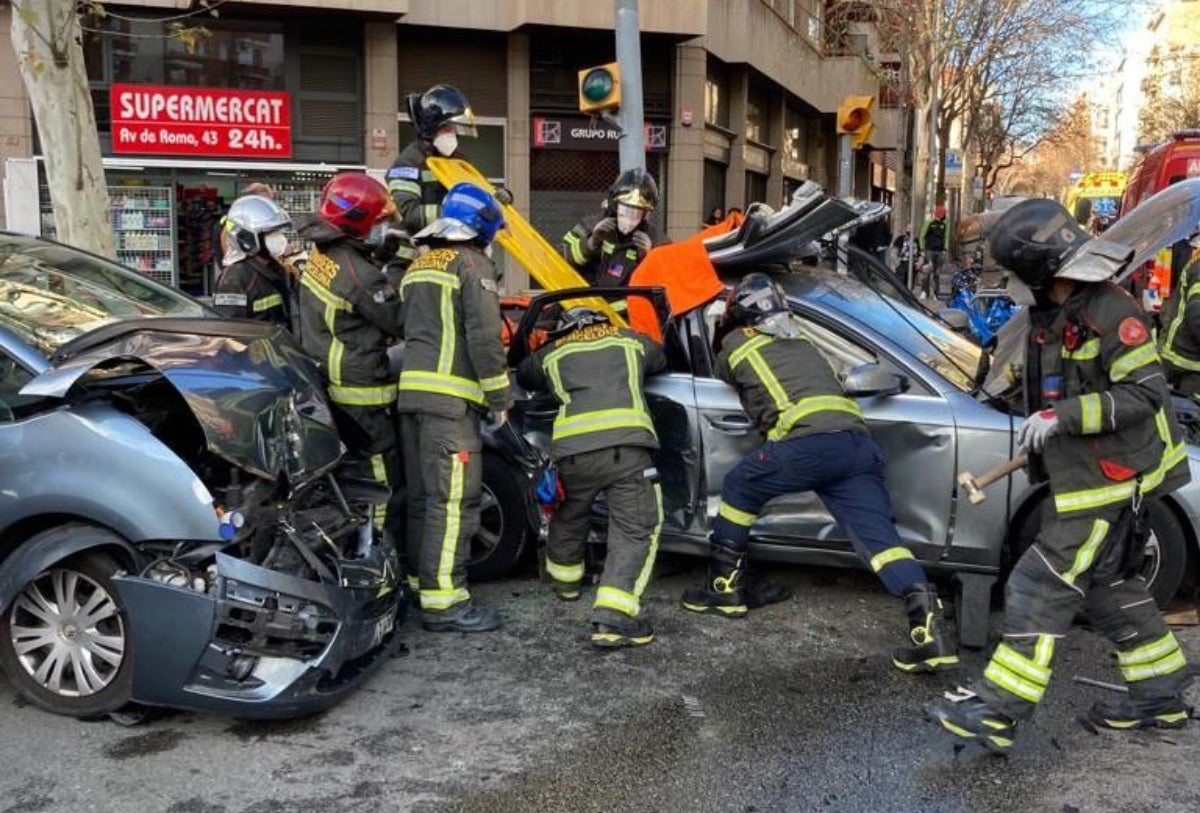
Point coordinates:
[(965, 715), (615, 634), (760, 592), (1127, 713), (724, 592), (933, 647)]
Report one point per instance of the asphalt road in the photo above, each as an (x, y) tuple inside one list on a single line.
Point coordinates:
[(792, 709)]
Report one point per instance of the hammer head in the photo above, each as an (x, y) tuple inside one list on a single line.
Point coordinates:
[(975, 494)]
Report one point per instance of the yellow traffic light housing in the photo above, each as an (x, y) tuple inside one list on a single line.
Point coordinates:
[(600, 89), (854, 119)]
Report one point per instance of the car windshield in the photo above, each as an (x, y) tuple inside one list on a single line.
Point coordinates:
[(51, 294), (954, 357)]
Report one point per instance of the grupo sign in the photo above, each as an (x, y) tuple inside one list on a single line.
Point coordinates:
[(163, 120), (579, 133)]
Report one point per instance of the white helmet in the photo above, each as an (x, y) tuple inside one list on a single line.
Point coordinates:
[(249, 220)]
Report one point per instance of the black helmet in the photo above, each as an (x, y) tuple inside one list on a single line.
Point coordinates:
[(573, 319), (1034, 239), (439, 106), (636, 188)]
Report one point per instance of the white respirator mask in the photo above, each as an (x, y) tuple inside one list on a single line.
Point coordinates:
[(446, 142), (628, 218), (276, 243)]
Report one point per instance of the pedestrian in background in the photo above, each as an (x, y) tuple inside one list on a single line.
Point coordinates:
[(933, 244), (715, 216)]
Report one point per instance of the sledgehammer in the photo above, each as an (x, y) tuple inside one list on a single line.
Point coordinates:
[(974, 486)]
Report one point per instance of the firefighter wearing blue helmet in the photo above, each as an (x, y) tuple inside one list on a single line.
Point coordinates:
[(454, 374)]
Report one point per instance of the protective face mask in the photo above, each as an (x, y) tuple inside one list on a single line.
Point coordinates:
[(446, 142), (487, 250), (276, 243), (628, 218)]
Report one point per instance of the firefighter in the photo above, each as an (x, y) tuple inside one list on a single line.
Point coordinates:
[(453, 375), (1181, 339), (605, 248), (817, 441), (440, 115), (254, 284), (602, 443), (349, 315), (1102, 433)]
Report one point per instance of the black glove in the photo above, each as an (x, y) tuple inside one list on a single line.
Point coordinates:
[(603, 230), (642, 241), (503, 196)]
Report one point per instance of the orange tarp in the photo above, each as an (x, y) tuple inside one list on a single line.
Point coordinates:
[(684, 270)]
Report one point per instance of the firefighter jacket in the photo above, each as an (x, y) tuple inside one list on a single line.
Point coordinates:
[(1093, 361), (348, 316), (452, 347), (256, 289), (786, 386), (1181, 340), (417, 193), (596, 374), (611, 263)]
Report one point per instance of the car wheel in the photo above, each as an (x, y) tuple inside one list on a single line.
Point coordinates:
[(65, 639), (498, 544)]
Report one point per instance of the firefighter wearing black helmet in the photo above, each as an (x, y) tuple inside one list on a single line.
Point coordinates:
[(815, 440), (1101, 432), (606, 247), (602, 442)]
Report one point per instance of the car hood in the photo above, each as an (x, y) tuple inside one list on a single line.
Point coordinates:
[(258, 399)]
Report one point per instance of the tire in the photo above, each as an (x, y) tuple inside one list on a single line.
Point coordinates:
[(1166, 551), (503, 526), (74, 641)]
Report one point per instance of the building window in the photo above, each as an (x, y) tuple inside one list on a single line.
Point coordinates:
[(716, 94), (756, 188), (486, 151), (714, 185), (756, 126)]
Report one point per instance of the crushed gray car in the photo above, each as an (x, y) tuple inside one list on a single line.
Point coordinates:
[(175, 528)]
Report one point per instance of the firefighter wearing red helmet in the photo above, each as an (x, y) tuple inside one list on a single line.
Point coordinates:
[(349, 314)]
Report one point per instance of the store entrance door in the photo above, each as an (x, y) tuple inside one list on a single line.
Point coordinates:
[(201, 204)]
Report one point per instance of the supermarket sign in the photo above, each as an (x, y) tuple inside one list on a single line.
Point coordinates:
[(166, 120)]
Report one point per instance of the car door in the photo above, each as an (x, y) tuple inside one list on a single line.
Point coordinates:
[(915, 430)]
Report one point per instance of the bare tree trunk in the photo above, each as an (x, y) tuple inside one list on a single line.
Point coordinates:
[(902, 209), (46, 37)]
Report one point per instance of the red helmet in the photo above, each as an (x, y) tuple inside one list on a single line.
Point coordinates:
[(353, 202)]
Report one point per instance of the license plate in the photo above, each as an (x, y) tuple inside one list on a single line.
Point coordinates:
[(382, 627)]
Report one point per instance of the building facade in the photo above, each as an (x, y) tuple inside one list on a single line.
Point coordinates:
[(739, 99)]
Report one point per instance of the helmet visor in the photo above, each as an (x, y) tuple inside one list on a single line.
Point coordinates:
[(464, 124)]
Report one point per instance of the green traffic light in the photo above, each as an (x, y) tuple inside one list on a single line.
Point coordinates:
[(597, 85)]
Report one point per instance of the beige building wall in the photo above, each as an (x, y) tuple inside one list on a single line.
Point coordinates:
[(382, 86), (16, 129), (685, 163)]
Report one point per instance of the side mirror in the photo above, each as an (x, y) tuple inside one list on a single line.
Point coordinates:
[(955, 318), (868, 380)]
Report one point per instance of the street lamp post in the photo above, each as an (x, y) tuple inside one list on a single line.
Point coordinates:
[(629, 57)]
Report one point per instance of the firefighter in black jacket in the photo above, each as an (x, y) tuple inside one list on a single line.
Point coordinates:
[(454, 373), (606, 247), (1102, 432), (349, 314), (254, 284), (602, 442), (817, 441), (1181, 339)]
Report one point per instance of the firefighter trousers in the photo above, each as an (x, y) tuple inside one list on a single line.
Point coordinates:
[(1079, 564), (443, 472), (844, 469), (627, 478), (374, 453)]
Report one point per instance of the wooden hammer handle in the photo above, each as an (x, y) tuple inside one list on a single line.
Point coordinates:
[(1000, 472)]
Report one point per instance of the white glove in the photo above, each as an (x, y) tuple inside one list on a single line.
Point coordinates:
[(642, 241), (1037, 429)]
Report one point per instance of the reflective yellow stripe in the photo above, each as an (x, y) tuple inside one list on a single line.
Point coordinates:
[(1088, 350), (601, 420), (1166, 666), (564, 573), (445, 571), (1091, 498), (1168, 349), (421, 381), (881, 560), (1149, 653), (633, 379), (1089, 407), (1127, 363), (807, 406), (430, 210), (556, 355), (443, 599), (643, 578), (268, 302), (433, 277), (496, 382), (1087, 553), (379, 470), (619, 600), (336, 348), (381, 395), (401, 185), (1043, 650), (1021, 665), (736, 515), (413, 582), (325, 295), (575, 247), (739, 355), (1013, 683)]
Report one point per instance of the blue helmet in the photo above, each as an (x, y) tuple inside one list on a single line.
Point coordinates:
[(468, 213)]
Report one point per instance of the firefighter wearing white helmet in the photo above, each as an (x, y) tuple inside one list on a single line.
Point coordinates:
[(254, 283)]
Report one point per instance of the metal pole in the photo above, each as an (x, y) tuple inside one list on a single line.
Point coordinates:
[(629, 57), (845, 166)]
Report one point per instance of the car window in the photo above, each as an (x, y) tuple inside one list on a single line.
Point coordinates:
[(841, 353), (51, 294), (13, 377)]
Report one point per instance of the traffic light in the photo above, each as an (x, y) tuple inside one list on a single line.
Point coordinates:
[(854, 119), (600, 88)]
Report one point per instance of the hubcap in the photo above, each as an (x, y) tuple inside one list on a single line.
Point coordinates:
[(491, 526), (67, 633)]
